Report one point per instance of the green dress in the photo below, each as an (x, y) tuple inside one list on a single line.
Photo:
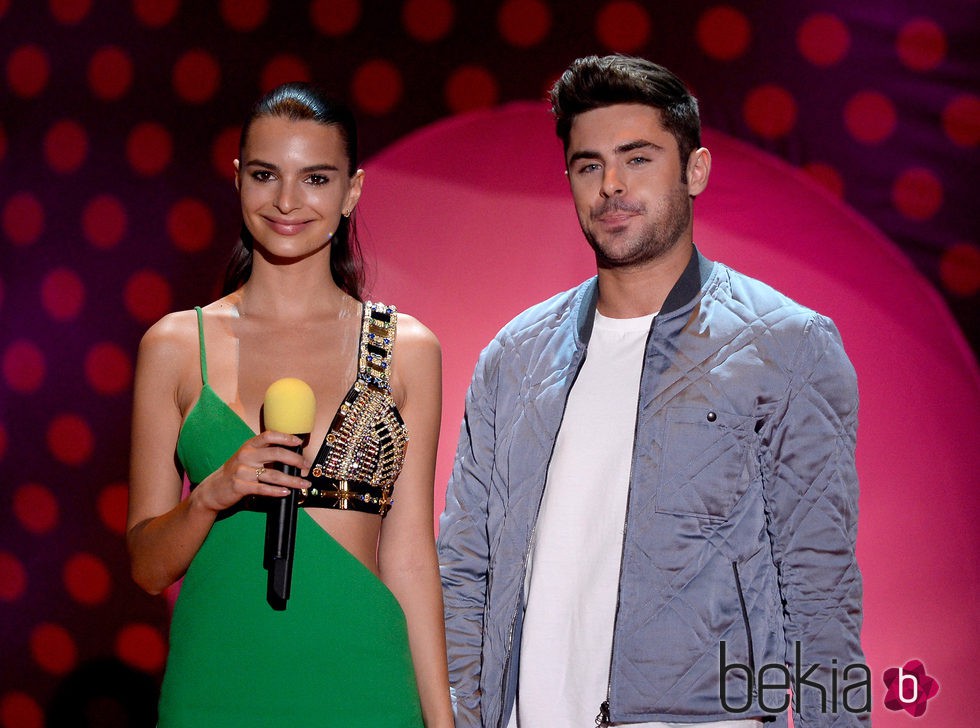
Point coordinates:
[(338, 654)]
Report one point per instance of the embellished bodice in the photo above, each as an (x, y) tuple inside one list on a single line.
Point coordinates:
[(364, 449), (363, 452)]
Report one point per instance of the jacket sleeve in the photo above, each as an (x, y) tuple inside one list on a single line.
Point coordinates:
[(463, 543), (812, 510)]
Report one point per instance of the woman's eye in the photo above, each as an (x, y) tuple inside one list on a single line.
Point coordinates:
[(317, 179), (261, 175)]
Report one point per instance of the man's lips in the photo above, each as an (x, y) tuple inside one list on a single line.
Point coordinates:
[(615, 218), (616, 214)]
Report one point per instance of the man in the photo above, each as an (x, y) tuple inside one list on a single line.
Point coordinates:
[(652, 514)]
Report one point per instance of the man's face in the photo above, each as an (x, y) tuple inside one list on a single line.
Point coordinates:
[(625, 173)]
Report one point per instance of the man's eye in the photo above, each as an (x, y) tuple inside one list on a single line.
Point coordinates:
[(639, 160), (586, 168)]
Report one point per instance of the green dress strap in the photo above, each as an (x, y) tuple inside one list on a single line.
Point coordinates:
[(200, 336), (212, 431)]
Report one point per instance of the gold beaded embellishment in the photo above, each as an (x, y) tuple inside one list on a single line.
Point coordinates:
[(365, 449)]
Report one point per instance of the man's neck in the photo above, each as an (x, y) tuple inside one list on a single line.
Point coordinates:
[(641, 290)]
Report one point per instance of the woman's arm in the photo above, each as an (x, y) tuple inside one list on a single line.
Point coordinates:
[(406, 552), (163, 532)]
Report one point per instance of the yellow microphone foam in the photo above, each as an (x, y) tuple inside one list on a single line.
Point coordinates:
[(290, 406)]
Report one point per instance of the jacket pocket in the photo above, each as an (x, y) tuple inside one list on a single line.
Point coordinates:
[(704, 469)]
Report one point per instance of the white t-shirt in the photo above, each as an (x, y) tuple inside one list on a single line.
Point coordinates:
[(573, 570)]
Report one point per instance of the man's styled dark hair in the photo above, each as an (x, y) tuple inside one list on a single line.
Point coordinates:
[(593, 82)]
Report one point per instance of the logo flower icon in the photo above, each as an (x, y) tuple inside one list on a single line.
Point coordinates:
[(909, 688)]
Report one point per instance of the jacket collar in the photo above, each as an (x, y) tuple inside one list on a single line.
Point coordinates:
[(685, 290)]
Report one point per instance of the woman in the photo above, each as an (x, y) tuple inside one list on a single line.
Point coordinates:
[(361, 641)]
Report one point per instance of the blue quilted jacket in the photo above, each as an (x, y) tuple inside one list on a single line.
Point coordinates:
[(741, 518)]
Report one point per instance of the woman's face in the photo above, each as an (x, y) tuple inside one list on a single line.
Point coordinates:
[(294, 185)]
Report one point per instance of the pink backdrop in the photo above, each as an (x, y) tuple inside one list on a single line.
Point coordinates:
[(485, 227)]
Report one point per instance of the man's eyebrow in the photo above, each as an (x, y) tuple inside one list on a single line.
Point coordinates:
[(584, 154), (624, 148), (636, 144), (275, 168)]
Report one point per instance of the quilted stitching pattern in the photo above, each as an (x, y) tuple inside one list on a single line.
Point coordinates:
[(767, 482)]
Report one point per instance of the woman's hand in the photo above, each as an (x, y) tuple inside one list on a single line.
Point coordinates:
[(250, 471)]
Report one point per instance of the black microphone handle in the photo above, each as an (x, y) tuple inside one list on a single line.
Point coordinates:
[(280, 542)]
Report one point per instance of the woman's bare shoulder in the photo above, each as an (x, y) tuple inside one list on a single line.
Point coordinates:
[(174, 333), (413, 334)]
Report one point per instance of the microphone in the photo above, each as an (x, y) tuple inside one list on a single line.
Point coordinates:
[(289, 407)]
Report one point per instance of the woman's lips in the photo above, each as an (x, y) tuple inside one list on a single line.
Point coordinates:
[(286, 227)]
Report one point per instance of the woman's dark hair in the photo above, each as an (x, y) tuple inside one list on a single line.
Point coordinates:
[(593, 82), (306, 102)]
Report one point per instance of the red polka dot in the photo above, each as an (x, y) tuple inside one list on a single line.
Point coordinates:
[(524, 23), (141, 646), (62, 294), (23, 219), (427, 20), (149, 148), (961, 120), (917, 194), (147, 296), (870, 117), (13, 577), (3, 440), (65, 146), (377, 87), (23, 367), (110, 73), (20, 710), (108, 368), (724, 32), (335, 17), (70, 439), (959, 269), (827, 176), (87, 579), (196, 76), (190, 225), (155, 13), (224, 152), (623, 26), (4, 7), (283, 69), (36, 508), (471, 87), (112, 507), (244, 15), (28, 70), (921, 44), (770, 111), (104, 221), (53, 648), (3, 143), (823, 39), (70, 12)]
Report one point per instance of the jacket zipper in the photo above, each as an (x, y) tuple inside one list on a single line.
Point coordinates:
[(527, 550), (603, 718), (745, 619)]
